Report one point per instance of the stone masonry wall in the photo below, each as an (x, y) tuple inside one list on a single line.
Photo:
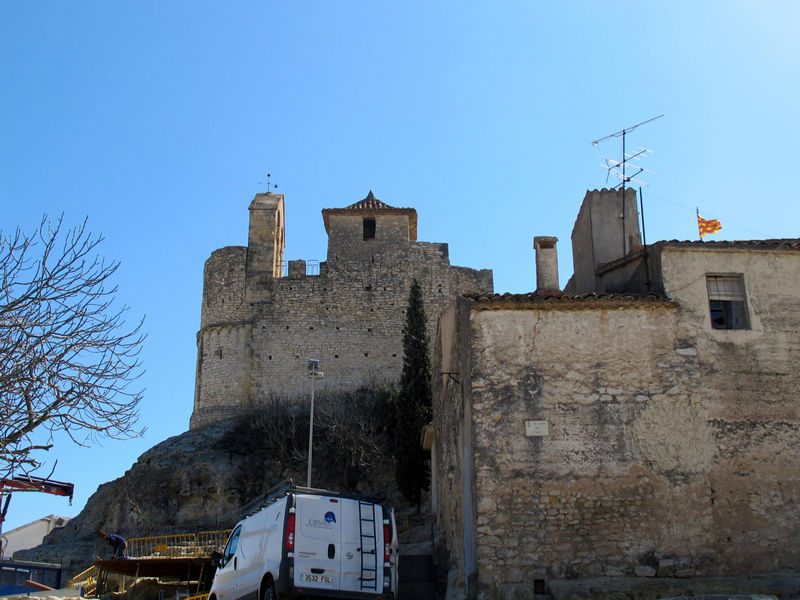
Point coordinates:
[(750, 380), (671, 447), (350, 317), (453, 430), (351, 320), (615, 390)]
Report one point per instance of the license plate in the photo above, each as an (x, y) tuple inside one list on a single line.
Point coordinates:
[(314, 578)]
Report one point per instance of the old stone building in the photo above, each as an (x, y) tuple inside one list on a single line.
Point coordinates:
[(259, 325), (643, 423)]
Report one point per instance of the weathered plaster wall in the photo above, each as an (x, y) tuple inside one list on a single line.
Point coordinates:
[(453, 430), (672, 447), (750, 382), (620, 482)]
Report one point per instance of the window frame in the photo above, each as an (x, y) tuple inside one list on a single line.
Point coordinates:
[(727, 301), (370, 227)]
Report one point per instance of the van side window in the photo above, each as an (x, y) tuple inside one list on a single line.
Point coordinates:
[(233, 543)]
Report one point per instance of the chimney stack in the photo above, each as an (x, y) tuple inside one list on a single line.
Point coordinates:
[(546, 265)]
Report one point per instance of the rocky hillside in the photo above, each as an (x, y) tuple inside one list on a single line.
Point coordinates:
[(198, 481)]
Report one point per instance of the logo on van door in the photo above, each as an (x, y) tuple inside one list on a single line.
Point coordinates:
[(326, 523)]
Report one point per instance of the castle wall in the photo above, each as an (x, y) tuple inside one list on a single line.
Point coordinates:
[(223, 287), (223, 378), (255, 340), (352, 319), (346, 235)]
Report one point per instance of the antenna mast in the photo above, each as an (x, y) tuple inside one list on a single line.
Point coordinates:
[(612, 166)]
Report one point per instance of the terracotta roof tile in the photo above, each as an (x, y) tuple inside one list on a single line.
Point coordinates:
[(774, 244), (369, 206), (568, 301), (369, 203)]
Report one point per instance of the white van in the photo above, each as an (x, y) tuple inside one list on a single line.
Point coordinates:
[(298, 541)]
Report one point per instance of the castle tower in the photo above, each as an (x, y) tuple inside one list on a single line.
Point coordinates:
[(366, 228), (265, 244), (258, 328)]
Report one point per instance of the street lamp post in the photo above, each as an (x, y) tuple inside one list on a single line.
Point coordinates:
[(313, 373)]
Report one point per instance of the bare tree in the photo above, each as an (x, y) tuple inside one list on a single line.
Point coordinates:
[(67, 360)]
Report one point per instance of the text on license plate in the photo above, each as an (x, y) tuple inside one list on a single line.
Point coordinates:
[(317, 578)]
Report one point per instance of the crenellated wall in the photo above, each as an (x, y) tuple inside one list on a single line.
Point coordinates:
[(255, 340)]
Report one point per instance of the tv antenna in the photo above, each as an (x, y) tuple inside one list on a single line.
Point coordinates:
[(268, 184), (618, 169)]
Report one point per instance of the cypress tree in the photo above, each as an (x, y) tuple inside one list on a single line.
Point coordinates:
[(414, 402)]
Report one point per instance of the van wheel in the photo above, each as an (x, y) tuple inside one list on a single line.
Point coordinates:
[(269, 591)]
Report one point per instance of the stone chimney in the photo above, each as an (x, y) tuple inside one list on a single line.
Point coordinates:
[(546, 265)]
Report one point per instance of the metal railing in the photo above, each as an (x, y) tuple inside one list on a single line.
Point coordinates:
[(186, 545), (312, 268), (86, 580)]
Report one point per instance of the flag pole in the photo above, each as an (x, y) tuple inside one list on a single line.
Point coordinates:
[(699, 235)]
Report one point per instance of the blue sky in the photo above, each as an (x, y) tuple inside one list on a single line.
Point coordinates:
[(158, 120)]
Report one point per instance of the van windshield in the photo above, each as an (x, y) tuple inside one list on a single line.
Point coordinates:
[(233, 543)]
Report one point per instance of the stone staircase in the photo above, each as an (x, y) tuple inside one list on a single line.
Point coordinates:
[(417, 573), (417, 577)]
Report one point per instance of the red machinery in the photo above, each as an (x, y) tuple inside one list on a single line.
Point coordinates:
[(26, 483)]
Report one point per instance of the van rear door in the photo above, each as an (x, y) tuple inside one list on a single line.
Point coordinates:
[(318, 547), (362, 547)]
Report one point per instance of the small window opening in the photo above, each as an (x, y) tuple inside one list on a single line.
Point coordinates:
[(727, 302), (369, 229)]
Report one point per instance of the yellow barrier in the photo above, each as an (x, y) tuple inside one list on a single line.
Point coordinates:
[(87, 580), (209, 541), (186, 545), (163, 546)]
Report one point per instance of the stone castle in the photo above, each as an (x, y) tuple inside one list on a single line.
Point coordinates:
[(259, 326)]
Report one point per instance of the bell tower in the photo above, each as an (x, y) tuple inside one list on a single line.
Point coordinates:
[(265, 244)]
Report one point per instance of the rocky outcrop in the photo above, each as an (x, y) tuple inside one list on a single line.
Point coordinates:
[(199, 480)]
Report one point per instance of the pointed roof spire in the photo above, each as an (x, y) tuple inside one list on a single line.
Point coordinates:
[(369, 203), (373, 206)]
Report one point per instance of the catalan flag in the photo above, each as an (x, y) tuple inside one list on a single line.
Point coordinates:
[(707, 225)]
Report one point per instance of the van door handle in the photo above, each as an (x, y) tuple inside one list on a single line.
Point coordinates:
[(331, 550), (235, 562)]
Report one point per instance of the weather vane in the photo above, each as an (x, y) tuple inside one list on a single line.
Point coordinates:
[(268, 184)]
